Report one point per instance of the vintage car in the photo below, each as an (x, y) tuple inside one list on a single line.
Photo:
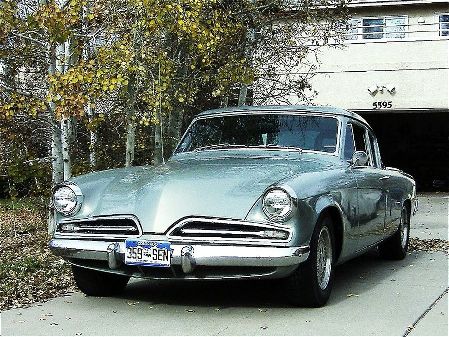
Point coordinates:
[(251, 192)]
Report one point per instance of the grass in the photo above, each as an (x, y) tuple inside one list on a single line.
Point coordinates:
[(29, 272)]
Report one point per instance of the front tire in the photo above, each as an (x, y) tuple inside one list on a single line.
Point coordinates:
[(97, 283), (311, 283), (396, 246)]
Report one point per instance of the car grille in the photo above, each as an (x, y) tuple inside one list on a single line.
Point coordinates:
[(219, 229), (101, 226)]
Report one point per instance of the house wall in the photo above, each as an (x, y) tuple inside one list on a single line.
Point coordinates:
[(411, 121), (417, 66)]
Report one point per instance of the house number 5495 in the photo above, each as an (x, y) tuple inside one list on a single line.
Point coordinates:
[(382, 105)]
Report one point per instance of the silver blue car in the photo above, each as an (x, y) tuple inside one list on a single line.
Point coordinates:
[(282, 192)]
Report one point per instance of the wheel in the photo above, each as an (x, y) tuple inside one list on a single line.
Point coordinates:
[(97, 283), (311, 283), (396, 246)]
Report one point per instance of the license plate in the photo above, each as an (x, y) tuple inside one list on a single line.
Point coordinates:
[(147, 253)]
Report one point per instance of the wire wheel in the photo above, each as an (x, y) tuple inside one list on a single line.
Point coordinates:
[(324, 258)]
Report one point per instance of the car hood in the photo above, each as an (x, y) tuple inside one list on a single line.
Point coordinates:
[(159, 196)]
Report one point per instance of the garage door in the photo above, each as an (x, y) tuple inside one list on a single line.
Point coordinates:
[(417, 143)]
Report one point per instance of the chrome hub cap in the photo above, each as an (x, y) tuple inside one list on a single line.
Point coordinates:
[(324, 258)]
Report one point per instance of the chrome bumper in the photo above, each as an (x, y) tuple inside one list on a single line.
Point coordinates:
[(188, 256)]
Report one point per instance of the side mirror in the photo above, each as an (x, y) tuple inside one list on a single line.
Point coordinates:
[(359, 158)]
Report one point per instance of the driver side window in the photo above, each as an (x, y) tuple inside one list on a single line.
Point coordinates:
[(357, 140)]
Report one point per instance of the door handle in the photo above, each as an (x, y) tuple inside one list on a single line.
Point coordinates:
[(384, 178)]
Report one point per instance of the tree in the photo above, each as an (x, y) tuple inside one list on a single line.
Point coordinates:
[(135, 65), (37, 44)]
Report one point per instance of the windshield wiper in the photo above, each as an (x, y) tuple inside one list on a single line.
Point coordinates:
[(219, 146), (275, 146)]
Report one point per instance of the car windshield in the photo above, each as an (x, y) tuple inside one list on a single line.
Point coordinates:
[(275, 131)]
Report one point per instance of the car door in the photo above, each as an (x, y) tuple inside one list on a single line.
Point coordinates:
[(392, 184), (371, 190)]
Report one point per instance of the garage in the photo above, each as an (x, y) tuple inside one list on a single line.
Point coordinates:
[(416, 142)]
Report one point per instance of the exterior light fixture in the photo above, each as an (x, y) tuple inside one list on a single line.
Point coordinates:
[(390, 88), (373, 89)]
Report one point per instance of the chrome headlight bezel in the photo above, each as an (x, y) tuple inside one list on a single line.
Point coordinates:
[(289, 201), (76, 197)]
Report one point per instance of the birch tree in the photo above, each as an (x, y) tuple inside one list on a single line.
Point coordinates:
[(36, 40)]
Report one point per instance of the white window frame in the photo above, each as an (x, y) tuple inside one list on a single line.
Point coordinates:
[(440, 30), (355, 28)]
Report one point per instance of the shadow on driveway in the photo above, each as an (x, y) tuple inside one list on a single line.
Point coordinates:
[(351, 279)]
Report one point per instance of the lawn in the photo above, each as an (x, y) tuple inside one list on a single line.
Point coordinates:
[(28, 271)]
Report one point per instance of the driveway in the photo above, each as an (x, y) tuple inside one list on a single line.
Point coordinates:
[(371, 296)]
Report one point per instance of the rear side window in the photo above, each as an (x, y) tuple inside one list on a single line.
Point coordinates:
[(349, 143), (359, 138)]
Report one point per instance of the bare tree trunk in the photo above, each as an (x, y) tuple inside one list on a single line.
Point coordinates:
[(57, 166), (158, 147), (130, 122), (57, 154), (66, 136), (179, 125), (242, 95), (56, 142), (130, 138), (93, 139), (250, 36)]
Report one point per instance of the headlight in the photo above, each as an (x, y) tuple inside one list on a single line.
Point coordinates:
[(67, 199), (277, 204)]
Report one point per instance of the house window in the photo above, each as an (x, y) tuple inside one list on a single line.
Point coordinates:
[(444, 24), (395, 27), (373, 28), (387, 27), (352, 29)]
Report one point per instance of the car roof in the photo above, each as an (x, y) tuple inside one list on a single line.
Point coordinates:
[(284, 108)]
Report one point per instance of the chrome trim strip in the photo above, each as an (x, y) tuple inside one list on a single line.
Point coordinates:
[(218, 240), (98, 218), (225, 232), (104, 228), (205, 255)]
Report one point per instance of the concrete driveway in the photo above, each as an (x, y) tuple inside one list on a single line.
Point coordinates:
[(371, 296)]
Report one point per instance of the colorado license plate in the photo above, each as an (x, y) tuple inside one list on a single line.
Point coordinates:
[(147, 253)]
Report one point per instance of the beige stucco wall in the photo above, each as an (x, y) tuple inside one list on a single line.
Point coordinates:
[(417, 66)]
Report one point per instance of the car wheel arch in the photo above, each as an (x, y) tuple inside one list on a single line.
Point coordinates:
[(337, 220)]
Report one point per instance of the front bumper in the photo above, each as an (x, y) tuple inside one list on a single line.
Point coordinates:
[(189, 261)]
